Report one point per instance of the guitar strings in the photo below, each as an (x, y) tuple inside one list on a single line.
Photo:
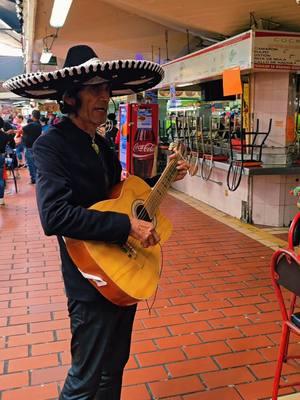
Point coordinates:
[(156, 196), (143, 213), (167, 173)]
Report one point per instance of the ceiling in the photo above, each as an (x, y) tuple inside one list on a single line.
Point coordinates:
[(217, 17), (122, 28), (9, 25), (8, 14)]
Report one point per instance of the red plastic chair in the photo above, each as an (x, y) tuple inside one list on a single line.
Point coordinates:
[(285, 270)]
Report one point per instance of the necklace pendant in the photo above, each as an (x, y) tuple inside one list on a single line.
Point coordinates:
[(95, 147)]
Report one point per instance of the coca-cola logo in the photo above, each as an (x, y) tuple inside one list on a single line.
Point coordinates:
[(143, 148)]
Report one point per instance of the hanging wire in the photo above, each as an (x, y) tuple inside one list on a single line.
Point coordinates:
[(53, 36)]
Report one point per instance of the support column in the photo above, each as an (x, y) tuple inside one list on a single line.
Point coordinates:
[(274, 98)]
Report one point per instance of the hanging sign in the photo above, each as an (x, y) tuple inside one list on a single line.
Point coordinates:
[(277, 50), (232, 81), (210, 61)]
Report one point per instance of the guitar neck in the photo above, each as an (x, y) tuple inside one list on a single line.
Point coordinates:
[(161, 187)]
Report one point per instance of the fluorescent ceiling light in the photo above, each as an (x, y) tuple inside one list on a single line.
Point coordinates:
[(45, 57), (184, 84), (59, 12)]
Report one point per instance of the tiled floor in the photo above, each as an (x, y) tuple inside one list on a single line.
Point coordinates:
[(213, 331)]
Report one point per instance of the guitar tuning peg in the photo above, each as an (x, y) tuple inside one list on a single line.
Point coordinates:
[(172, 145)]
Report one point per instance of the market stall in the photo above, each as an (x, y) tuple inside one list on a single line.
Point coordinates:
[(246, 143)]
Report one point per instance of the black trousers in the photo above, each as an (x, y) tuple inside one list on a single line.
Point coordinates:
[(100, 346)]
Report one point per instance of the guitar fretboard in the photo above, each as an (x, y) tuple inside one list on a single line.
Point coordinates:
[(160, 189)]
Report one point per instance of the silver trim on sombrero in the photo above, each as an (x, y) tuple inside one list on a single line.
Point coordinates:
[(27, 80), (40, 92)]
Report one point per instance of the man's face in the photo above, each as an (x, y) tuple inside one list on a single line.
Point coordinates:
[(94, 104)]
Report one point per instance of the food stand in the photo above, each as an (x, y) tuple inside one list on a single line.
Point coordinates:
[(268, 62)]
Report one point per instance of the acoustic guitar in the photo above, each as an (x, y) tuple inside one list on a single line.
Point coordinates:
[(126, 274)]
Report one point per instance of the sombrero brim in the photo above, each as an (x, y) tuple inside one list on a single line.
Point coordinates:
[(125, 77)]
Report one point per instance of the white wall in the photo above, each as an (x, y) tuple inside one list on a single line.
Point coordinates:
[(216, 195), (272, 204), (271, 101)]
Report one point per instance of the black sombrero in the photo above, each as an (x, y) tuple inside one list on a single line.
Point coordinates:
[(83, 67)]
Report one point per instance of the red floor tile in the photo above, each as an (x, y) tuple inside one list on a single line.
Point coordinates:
[(212, 333)]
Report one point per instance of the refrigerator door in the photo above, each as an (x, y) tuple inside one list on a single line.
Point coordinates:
[(125, 135), (144, 139)]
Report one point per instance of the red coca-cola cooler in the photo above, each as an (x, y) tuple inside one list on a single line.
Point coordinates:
[(138, 125)]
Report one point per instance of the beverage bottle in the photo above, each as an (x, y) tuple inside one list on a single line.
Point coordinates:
[(143, 152)]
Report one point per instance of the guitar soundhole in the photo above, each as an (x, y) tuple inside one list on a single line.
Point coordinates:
[(142, 213)]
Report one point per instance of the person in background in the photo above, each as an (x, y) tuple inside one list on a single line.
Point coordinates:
[(171, 127), (77, 168), (5, 139), (44, 123), (31, 132), (8, 126), (19, 123), (11, 117), (50, 117), (56, 120)]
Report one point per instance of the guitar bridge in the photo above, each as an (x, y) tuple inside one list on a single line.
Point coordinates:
[(129, 250)]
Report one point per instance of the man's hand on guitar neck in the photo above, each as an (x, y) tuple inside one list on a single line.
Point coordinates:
[(182, 167), (144, 232)]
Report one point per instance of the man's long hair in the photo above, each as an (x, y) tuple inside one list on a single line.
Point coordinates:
[(67, 108)]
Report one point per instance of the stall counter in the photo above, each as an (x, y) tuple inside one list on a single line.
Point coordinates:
[(263, 196)]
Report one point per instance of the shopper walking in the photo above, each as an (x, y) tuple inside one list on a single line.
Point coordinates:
[(19, 149), (44, 123), (31, 132), (5, 138)]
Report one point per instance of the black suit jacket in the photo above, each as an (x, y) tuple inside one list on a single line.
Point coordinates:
[(70, 178)]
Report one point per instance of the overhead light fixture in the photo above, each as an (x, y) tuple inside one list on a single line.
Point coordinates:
[(185, 84), (59, 12), (45, 57)]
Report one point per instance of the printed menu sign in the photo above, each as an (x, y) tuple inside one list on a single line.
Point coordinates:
[(144, 119), (277, 50), (210, 61), (259, 49)]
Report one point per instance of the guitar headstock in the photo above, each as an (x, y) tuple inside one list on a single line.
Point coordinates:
[(178, 148)]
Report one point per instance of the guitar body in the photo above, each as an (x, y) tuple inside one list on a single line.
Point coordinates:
[(131, 272)]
